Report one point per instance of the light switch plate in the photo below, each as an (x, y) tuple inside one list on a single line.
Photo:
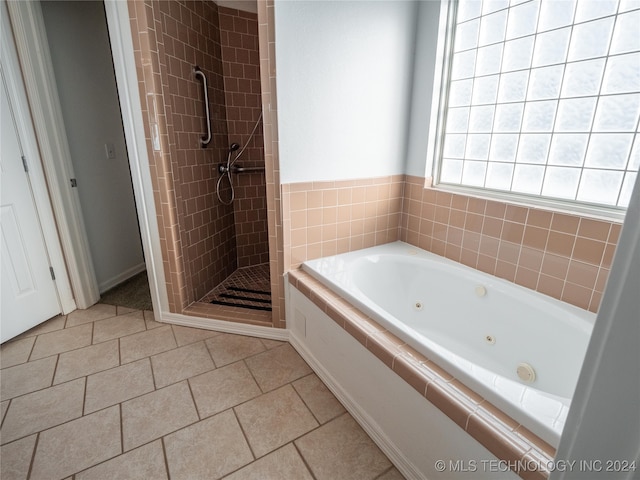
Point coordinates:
[(110, 150)]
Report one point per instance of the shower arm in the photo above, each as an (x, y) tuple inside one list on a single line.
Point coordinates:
[(204, 141), (238, 169)]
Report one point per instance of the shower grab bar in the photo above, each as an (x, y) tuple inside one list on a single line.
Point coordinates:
[(204, 141), (235, 169)]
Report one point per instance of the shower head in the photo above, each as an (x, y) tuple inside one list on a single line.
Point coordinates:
[(233, 147)]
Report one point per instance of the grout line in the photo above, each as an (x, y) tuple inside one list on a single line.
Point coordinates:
[(244, 434), (304, 460), (121, 430), (305, 403), (55, 369), (84, 396), (166, 459), (252, 376), (153, 375), (193, 398), (33, 455)]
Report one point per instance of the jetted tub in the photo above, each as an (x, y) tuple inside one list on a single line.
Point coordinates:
[(520, 350)]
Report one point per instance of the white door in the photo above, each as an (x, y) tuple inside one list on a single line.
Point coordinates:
[(29, 294)]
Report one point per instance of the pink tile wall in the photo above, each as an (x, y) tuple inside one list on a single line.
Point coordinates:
[(565, 256), (327, 218), (241, 65), (196, 231)]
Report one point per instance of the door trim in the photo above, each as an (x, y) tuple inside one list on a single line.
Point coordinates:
[(35, 60), (124, 65), (27, 135)]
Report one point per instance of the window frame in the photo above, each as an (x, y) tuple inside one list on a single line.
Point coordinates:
[(435, 140)]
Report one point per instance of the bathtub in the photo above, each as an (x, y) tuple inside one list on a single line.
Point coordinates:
[(520, 350)]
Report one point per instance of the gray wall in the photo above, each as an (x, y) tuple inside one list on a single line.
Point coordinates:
[(81, 56), (344, 77), (423, 75)]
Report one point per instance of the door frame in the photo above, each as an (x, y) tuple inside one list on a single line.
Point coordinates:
[(124, 66), (39, 81), (33, 51), (25, 130)]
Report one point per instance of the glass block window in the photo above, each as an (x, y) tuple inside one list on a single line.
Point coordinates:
[(543, 99)]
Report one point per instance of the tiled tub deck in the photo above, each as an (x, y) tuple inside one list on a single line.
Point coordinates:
[(523, 451)]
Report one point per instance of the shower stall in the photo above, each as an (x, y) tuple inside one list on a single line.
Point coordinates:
[(199, 68)]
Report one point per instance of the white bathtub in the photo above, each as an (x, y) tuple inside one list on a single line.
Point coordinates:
[(479, 328)]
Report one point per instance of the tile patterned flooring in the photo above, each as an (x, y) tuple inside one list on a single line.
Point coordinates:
[(254, 278), (108, 393)]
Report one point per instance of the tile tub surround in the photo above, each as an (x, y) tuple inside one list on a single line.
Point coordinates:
[(198, 404), (565, 256), (327, 218), (500, 434)]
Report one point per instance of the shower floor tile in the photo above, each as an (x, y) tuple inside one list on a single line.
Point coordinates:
[(253, 402), (247, 287)]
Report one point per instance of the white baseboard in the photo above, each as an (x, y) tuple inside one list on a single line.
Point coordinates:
[(225, 326), (367, 422), (126, 275)]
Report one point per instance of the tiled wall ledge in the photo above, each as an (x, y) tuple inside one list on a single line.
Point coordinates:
[(500, 434)]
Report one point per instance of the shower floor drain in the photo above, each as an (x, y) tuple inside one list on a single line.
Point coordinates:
[(247, 287)]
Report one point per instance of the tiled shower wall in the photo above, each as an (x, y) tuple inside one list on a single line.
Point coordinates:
[(565, 256), (241, 66), (196, 231)]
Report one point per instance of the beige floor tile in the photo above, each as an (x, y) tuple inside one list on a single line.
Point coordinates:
[(117, 385), (87, 360), (145, 344), (146, 462), (99, 311), (181, 363), (16, 458), (155, 414), (318, 398), (391, 474), (274, 419), (227, 348), (51, 325), (43, 409), (267, 342), (116, 327), (283, 464), (210, 449), (3, 409), (341, 449), (150, 320), (277, 367), (186, 335), (27, 378), (124, 310), (223, 388), (62, 341), (16, 352), (77, 445)]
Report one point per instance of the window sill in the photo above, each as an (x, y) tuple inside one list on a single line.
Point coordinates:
[(596, 212)]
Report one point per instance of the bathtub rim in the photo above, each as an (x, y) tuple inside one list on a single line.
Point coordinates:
[(507, 439), (548, 427)]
